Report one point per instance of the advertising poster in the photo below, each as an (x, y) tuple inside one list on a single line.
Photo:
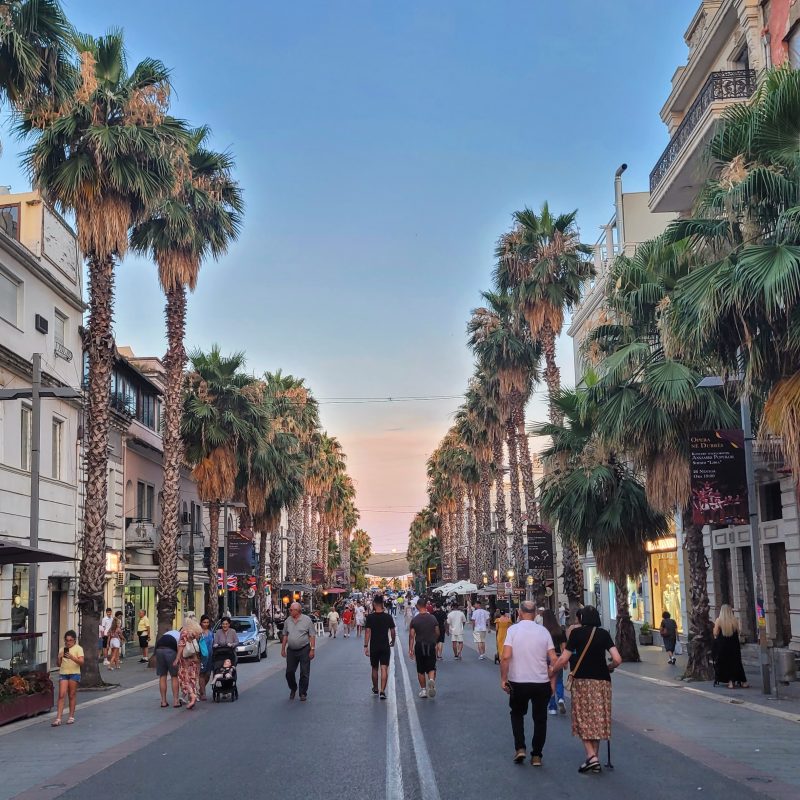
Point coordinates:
[(719, 478), (241, 555), (340, 577), (540, 550), (462, 569), (317, 574)]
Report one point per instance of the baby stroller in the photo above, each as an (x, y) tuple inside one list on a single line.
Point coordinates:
[(227, 688)]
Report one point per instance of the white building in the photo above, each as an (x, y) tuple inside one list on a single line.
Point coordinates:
[(41, 310)]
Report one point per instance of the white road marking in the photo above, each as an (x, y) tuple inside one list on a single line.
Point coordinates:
[(427, 780), (394, 767)]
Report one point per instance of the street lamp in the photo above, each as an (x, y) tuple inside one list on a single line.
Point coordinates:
[(510, 576), (715, 382)]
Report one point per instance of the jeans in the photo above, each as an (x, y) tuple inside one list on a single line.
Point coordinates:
[(293, 658), (559, 695), (539, 695)]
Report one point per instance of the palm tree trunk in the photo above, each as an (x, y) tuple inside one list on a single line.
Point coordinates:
[(99, 343), (472, 545), (295, 540), (325, 534), (526, 464), (484, 543), (516, 499), (444, 538), (346, 554), (552, 375), (261, 588), (699, 666), (626, 633), (572, 575), (501, 536), (304, 554), (174, 365), (275, 556), (212, 608), (462, 540)]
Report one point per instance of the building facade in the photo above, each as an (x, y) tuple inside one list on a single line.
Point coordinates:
[(41, 310)]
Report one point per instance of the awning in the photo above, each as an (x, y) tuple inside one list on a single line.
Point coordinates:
[(13, 552), (334, 590)]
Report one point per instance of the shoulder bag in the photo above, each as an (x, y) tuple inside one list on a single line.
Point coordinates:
[(571, 676), (191, 649)]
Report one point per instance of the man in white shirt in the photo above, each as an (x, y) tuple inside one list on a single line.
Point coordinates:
[(480, 624), (523, 676), (333, 622), (455, 627), (105, 627)]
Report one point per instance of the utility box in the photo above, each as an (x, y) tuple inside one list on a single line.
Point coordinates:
[(787, 667)]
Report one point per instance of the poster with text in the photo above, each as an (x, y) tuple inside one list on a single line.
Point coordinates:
[(719, 478)]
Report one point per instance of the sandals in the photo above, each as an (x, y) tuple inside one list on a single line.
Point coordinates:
[(165, 705), (55, 723), (590, 765), (71, 721)]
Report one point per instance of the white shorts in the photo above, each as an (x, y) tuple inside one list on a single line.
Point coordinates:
[(478, 636), (114, 643), (457, 637)]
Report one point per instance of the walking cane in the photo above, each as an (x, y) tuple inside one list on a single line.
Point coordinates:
[(608, 764)]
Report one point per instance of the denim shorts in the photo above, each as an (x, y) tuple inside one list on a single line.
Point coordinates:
[(76, 678)]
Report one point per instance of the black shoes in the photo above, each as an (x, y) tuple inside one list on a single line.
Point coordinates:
[(383, 695), (304, 697), (292, 694)]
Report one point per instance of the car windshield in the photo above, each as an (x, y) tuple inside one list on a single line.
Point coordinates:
[(242, 625)]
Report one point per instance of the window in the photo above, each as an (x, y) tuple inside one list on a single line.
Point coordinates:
[(59, 327), (111, 493), (793, 40), (57, 447), (9, 221), (771, 505), (145, 497), (9, 298), (147, 410), (25, 438)]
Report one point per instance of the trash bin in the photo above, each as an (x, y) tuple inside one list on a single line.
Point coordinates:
[(787, 666)]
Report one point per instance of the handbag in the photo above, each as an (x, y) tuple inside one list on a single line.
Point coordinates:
[(191, 649), (572, 672), (678, 648)]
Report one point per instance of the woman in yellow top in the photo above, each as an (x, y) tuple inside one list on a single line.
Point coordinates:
[(70, 661), (501, 626)]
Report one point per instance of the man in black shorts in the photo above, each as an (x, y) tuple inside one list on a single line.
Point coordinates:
[(379, 634), (441, 621), (423, 634)]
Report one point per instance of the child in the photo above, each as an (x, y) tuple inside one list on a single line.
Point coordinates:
[(115, 639), (226, 673)]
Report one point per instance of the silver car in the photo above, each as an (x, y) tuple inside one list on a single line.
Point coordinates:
[(252, 637)]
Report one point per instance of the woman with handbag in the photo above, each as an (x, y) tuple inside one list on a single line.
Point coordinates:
[(589, 683), (187, 659)]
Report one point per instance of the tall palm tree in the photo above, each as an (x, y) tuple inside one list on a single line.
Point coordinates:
[(200, 218), (105, 156), (360, 554), (222, 412)]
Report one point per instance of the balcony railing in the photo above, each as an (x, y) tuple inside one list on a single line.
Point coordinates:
[(735, 84)]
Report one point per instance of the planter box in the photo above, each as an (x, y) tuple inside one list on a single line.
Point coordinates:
[(28, 705), (645, 638)]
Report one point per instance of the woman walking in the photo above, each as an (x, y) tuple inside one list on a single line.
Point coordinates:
[(728, 666), (553, 626), (669, 635), (115, 639), (206, 642), (187, 660), (590, 684), (70, 661), (502, 622)]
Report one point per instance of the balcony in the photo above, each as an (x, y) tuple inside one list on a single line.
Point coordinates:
[(675, 179), (141, 535)]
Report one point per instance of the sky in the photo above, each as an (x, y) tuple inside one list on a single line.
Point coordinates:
[(382, 148)]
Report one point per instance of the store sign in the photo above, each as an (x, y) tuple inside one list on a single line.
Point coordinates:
[(462, 569), (540, 548), (719, 478)]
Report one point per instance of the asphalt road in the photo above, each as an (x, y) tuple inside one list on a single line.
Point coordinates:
[(345, 743)]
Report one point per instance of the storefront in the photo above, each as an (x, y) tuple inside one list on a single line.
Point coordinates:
[(665, 585)]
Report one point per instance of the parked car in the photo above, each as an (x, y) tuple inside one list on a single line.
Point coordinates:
[(252, 638)]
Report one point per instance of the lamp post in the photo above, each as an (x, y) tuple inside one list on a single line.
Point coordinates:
[(510, 576), (755, 534), (36, 393)]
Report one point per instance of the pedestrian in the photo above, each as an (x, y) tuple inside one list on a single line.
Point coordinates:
[(187, 660), (361, 618), (423, 635), (105, 627), (669, 635), (123, 642), (590, 684), (225, 635), (347, 620), (539, 615), (480, 624), (333, 622), (524, 677), (441, 621), (166, 651), (455, 627), (206, 654), (559, 642), (408, 612), (563, 614), (728, 667), (143, 632), (379, 637), (70, 661), (502, 623), (297, 647), (115, 639)]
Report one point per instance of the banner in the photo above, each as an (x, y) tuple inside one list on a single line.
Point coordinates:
[(462, 569), (317, 574), (340, 577), (233, 581), (719, 478), (241, 554), (540, 549)]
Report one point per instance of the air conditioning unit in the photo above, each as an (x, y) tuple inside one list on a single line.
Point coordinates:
[(120, 579)]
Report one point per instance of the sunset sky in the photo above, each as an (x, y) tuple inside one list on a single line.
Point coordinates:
[(382, 148)]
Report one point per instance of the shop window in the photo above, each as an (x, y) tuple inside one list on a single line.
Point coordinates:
[(635, 600), (665, 586), (19, 598), (771, 505)]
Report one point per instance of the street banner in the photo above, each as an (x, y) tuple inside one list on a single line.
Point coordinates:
[(462, 569), (317, 574), (233, 581), (447, 573), (719, 478), (540, 549), (241, 554), (340, 577)]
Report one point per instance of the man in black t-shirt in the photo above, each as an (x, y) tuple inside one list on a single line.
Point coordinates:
[(423, 635), (441, 621), (379, 635)]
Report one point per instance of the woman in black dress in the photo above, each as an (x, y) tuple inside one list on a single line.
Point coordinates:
[(728, 666)]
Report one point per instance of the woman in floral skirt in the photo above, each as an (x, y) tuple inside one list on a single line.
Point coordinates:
[(188, 660)]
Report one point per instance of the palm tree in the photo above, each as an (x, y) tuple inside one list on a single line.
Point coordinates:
[(105, 157), (198, 219), (222, 411), (360, 554)]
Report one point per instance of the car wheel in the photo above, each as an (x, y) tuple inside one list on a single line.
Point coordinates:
[(258, 653)]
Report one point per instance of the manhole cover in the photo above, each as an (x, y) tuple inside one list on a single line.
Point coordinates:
[(759, 779)]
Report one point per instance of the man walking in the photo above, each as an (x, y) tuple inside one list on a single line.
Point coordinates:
[(105, 627), (441, 621), (480, 624), (523, 676), (423, 633), (333, 622), (455, 626), (143, 632), (379, 636), (297, 647)]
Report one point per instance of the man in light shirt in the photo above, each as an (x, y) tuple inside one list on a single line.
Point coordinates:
[(480, 625), (523, 676), (455, 627)]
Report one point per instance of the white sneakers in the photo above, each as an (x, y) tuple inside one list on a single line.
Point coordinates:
[(562, 706), (431, 684), (482, 656), (552, 712), (423, 693), (106, 662)]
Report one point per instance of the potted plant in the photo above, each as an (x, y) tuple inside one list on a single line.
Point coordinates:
[(645, 634), (24, 695)]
